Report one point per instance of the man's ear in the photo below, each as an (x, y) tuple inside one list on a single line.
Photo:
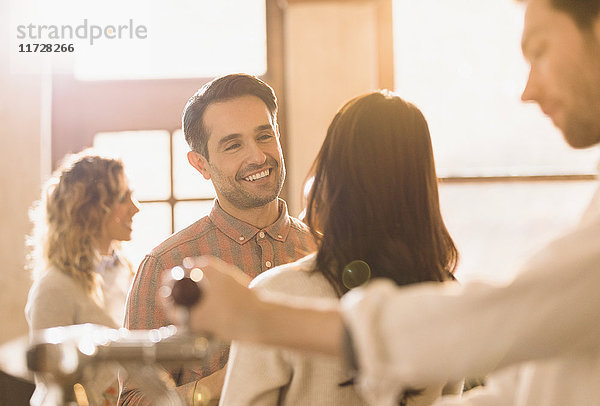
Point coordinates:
[(200, 163)]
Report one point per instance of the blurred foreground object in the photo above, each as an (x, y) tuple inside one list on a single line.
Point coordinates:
[(180, 291), (62, 360), (62, 357)]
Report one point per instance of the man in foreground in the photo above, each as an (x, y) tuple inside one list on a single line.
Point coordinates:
[(537, 336)]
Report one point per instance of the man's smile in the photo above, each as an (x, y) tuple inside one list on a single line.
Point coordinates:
[(258, 175)]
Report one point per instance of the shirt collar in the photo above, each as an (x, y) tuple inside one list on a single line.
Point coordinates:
[(242, 232), (106, 262)]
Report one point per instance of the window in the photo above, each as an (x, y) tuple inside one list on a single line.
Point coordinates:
[(509, 181), (184, 39), (172, 194), (116, 40)]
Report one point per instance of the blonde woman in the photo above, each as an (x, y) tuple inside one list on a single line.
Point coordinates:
[(79, 275)]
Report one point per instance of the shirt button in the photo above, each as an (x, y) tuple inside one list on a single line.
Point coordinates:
[(280, 237), (261, 234), (242, 238), (268, 264)]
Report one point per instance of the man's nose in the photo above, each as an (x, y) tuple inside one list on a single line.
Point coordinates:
[(256, 155)]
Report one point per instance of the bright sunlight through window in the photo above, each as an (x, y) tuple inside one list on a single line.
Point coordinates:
[(460, 62)]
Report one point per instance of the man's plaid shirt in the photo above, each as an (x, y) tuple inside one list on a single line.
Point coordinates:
[(252, 249)]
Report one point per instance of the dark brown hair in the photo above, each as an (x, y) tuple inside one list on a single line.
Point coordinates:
[(584, 12), (374, 196)]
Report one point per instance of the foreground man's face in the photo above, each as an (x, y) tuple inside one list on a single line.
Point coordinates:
[(564, 77)]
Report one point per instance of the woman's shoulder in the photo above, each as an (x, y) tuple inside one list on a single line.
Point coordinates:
[(297, 278), (55, 280), (298, 269), (50, 300), (51, 285)]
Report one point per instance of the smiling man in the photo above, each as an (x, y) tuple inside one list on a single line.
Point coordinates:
[(231, 127), (242, 157)]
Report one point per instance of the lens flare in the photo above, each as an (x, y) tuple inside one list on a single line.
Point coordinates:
[(355, 274)]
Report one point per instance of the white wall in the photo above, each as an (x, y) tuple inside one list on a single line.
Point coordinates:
[(24, 160)]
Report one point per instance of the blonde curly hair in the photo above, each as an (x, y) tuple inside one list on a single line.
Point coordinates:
[(69, 218)]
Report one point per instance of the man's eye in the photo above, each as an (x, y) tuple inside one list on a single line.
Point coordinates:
[(265, 137), (232, 147)]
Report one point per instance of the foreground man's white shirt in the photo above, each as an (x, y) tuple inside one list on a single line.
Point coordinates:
[(540, 334)]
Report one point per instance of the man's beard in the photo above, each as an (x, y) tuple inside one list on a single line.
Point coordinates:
[(582, 126), (243, 199)]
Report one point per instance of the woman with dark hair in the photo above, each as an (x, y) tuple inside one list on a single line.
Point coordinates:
[(374, 196), (79, 274), (374, 210)]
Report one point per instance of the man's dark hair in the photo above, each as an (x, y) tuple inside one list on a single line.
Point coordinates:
[(219, 90), (584, 12)]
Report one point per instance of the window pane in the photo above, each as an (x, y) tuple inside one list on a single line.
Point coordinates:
[(146, 155), (183, 39), (150, 227), (497, 226), (460, 62), (188, 183), (187, 213)]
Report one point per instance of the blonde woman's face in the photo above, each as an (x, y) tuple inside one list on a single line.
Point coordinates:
[(118, 224)]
